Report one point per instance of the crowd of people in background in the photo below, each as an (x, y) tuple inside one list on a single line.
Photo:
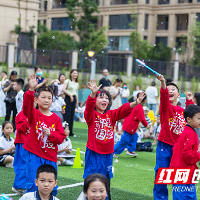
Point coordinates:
[(50, 111)]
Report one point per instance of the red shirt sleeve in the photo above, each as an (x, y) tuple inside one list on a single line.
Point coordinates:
[(141, 117), (164, 100), (22, 124), (120, 113), (28, 108), (188, 102), (89, 109), (190, 152)]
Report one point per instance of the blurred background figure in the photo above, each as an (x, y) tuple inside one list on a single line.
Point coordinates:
[(125, 93), (2, 95), (137, 90)]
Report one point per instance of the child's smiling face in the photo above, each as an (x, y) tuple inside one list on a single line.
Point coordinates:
[(102, 102), (173, 93)]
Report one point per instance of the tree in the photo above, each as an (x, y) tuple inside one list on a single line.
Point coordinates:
[(55, 40), (84, 23)]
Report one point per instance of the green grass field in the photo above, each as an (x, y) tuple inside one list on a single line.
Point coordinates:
[(133, 177)]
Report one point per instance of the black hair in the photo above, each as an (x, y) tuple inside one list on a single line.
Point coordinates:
[(20, 82), (36, 68), (43, 88), (143, 98), (54, 88), (94, 177), (4, 124), (104, 69), (46, 168), (173, 84), (60, 76), (100, 93), (179, 103), (4, 72), (168, 80), (190, 111), (13, 73), (197, 97), (124, 84), (153, 83), (117, 80), (71, 73)]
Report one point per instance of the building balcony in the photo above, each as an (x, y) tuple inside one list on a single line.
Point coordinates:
[(162, 22), (119, 2)]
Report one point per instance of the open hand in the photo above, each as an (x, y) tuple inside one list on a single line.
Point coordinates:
[(33, 82), (93, 87), (46, 80), (189, 95), (141, 97), (67, 150)]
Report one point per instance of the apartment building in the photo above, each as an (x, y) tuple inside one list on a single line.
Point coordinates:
[(158, 20), (9, 15)]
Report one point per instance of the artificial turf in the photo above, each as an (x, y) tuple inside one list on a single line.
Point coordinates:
[(133, 177)]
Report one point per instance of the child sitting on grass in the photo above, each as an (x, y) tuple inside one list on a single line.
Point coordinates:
[(7, 147), (45, 134), (46, 180), (186, 151), (64, 149)]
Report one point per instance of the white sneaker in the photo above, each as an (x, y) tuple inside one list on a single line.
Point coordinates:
[(131, 154), (18, 191), (9, 165), (125, 149), (115, 156), (81, 120), (58, 163)]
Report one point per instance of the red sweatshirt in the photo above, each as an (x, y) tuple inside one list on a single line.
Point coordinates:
[(38, 142), (101, 126), (186, 150), (171, 118), (22, 127), (131, 122)]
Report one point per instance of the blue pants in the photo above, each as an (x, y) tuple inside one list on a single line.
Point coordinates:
[(184, 192), (124, 100), (152, 107), (98, 163), (19, 165), (127, 140), (32, 163), (163, 159)]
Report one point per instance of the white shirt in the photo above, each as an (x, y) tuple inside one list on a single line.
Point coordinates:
[(5, 143), (140, 135), (60, 87), (19, 100), (65, 144), (125, 93), (32, 196), (57, 104), (151, 93)]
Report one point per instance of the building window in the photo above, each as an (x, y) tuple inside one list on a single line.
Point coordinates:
[(182, 22), (162, 40), (117, 2), (163, 1), (198, 1), (44, 22), (146, 21), (198, 16), (45, 5), (184, 1), (147, 1), (145, 37), (120, 21), (162, 22), (119, 43), (61, 24)]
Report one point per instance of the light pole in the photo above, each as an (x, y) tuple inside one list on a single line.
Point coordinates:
[(92, 64)]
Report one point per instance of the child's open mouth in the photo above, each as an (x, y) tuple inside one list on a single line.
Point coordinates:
[(171, 95), (103, 104)]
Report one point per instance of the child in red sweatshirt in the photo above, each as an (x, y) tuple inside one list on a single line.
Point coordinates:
[(45, 134), (101, 122), (172, 125), (186, 151), (130, 124)]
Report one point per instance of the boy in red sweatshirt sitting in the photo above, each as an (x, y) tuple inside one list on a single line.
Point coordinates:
[(186, 151), (45, 134), (172, 125)]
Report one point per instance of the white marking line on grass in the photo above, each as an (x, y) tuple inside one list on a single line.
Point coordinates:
[(59, 188), (80, 151)]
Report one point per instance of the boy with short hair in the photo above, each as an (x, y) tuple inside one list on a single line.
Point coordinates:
[(172, 125), (18, 86), (130, 124), (46, 180), (45, 134), (186, 150)]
